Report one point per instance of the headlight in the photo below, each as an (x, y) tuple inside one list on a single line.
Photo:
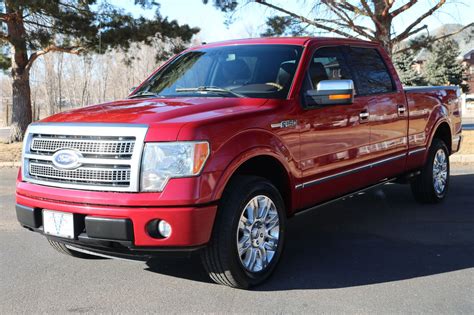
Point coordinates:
[(164, 160)]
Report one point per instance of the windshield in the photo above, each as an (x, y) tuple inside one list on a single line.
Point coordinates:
[(257, 71)]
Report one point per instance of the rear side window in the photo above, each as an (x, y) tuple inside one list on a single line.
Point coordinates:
[(372, 76)]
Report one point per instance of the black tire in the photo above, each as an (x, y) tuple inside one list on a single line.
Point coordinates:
[(220, 258), (61, 247), (423, 186)]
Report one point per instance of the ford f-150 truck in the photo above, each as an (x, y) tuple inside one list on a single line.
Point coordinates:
[(224, 142)]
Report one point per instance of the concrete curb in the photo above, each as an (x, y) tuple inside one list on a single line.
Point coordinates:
[(9, 164), (462, 158)]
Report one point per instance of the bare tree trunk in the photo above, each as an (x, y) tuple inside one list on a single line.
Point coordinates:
[(60, 74), (383, 36), (21, 112), (7, 116), (383, 25)]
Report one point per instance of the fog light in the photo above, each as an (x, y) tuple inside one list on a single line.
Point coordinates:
[(164, 228)]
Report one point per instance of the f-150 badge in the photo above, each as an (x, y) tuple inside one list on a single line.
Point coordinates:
[(285, 124)]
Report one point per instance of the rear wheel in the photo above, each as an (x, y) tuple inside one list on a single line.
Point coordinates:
[(248, 236), (63, 249), (431, 186)]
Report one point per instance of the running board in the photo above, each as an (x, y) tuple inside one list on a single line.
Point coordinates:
[(383, 182)]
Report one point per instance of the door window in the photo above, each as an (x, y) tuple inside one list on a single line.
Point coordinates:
[(327, 64), (372, 76)]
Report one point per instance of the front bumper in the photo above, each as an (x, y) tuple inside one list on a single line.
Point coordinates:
[(118, 229)]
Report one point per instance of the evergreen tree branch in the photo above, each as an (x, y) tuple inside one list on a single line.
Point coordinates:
[(403, 35), (75, 50), (73, 7), (51, 27)]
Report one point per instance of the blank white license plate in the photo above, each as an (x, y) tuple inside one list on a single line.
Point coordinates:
[(59, 224)]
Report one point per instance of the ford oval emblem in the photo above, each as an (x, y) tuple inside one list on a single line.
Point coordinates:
[(67, 159)]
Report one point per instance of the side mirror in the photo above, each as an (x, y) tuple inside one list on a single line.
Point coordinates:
[(331, 92)]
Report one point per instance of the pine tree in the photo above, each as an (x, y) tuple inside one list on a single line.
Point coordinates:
[(404, 62), (442, 67), (32, 28)]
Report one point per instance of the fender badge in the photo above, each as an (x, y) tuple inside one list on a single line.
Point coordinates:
[(285, 124)]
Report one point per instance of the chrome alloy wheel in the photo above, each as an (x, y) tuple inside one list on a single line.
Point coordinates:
[(440, 171), (258, 233)]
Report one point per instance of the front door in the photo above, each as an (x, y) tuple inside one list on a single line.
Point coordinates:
[(334, 138)]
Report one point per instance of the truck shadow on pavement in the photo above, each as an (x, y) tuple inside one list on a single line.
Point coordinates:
[(375, 237)]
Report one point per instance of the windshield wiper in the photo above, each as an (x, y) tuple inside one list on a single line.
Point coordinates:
[(214, 89), (145, 94)]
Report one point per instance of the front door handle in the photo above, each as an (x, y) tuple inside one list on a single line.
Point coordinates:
[(401, 110)]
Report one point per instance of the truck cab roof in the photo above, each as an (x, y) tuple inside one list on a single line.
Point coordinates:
[(300, 41)]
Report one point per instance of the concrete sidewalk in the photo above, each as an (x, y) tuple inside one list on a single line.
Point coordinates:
[(4, 132), (468, 123)]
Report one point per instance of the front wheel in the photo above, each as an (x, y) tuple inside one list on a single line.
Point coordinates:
[(431, 186), (248, 236)]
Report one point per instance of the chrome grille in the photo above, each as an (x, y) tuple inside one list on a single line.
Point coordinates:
[(109, 156), (102, 176), (88, 146)]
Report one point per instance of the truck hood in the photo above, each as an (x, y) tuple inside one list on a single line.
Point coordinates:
[(153, 111)]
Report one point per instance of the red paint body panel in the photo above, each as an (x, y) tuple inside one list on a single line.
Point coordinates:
[(192, 226), (324, 144)]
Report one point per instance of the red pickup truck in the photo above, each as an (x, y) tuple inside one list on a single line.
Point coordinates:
[(224, 142)]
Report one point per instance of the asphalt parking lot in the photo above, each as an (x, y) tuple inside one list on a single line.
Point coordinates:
[(378, 252)]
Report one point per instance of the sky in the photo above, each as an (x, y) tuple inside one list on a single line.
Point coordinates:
[(249, 21)]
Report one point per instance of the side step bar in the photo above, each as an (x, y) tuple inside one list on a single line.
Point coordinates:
[(381, 183)]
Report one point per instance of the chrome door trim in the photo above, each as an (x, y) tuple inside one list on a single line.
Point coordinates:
[(350, 171), (415, 151)]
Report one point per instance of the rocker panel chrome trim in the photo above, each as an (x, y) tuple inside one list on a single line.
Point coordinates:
[(350, 171), (415, 151)]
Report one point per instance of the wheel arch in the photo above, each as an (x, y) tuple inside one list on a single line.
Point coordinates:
[(442, 131), (267, 165)]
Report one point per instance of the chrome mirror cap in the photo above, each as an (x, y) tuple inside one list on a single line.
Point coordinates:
[(336, 85)]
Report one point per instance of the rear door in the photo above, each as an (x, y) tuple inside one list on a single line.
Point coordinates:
[(387, 109)]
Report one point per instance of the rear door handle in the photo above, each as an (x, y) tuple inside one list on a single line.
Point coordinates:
[(401, 110), (364, 116)]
